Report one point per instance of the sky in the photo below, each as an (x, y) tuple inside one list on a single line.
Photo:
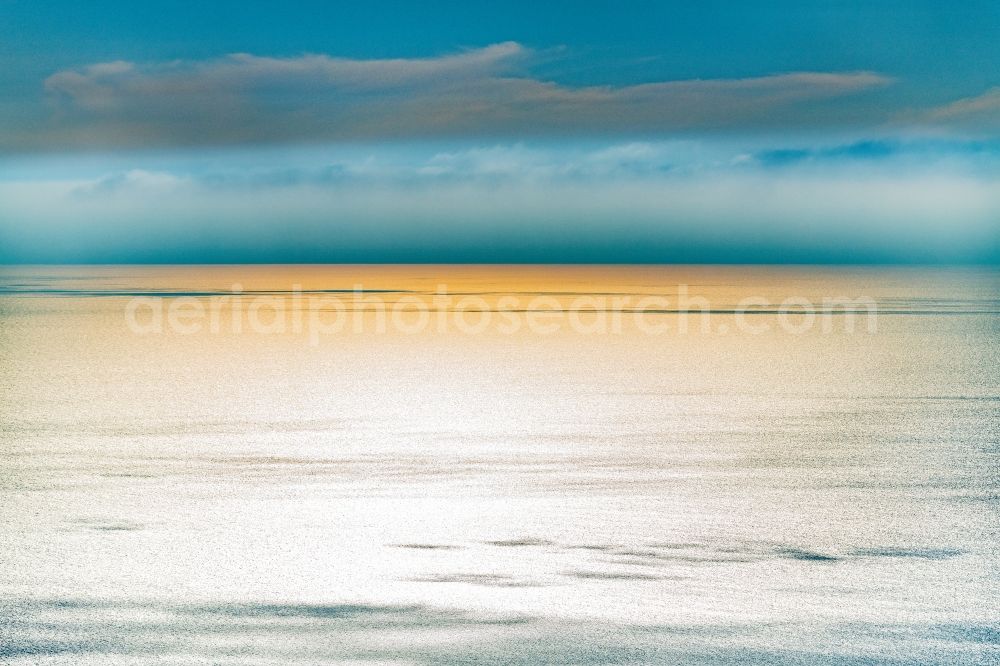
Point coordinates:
[(711, 132)]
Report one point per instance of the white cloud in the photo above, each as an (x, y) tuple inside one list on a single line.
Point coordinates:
[(133, 180), (520, 196)]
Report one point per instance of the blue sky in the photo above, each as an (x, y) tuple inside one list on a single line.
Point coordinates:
[(708, 132)]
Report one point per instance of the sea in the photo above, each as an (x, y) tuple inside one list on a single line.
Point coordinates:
[(422, 464)]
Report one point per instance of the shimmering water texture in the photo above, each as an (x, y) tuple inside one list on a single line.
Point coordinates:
[(441, 497)]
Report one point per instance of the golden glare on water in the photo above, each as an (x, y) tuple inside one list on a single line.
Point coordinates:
[(741, 475)]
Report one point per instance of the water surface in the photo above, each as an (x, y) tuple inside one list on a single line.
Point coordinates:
[(709, 496)]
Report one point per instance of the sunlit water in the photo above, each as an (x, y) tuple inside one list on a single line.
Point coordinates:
[(574, 497)]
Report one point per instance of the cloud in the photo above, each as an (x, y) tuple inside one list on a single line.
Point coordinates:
[(133, 180), (114, 85), (981, 156), (243, 98), (861, 150), (634, 201), (981, 111)]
